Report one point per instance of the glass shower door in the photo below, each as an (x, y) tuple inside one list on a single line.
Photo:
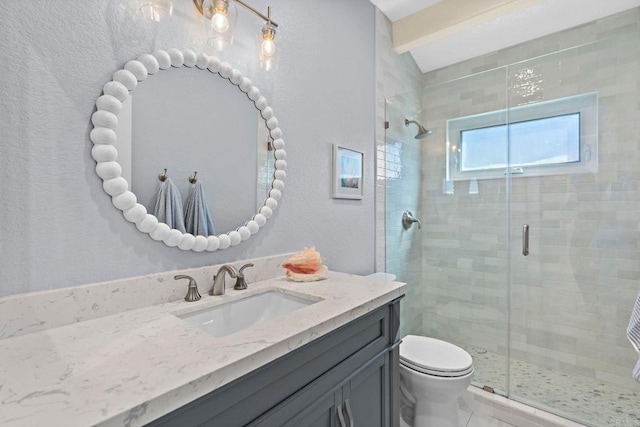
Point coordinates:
[(399, 170), (574, 175), (464, 240)]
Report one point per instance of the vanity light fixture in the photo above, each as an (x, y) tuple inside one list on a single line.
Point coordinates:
[(155, 10), (220, 22), (220, 19), (268, 46)]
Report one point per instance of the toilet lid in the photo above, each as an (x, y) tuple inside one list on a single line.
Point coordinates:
[(434, 357)]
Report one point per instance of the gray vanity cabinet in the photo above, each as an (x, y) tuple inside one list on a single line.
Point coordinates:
[(365, 397), (353, 369), (362, 399)]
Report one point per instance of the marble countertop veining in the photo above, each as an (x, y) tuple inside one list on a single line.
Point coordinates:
[(134, 366)]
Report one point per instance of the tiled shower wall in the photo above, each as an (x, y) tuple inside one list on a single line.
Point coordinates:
[(398, 170), (570, 300)]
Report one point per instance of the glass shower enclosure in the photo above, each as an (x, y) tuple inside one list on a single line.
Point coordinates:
[(528, 193)]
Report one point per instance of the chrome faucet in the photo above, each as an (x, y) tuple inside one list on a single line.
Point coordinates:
[(218, 279), (240, 282)]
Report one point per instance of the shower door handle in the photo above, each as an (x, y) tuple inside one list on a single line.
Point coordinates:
[(525, 239)]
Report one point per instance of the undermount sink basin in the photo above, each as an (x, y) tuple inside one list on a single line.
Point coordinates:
[(228, 318)]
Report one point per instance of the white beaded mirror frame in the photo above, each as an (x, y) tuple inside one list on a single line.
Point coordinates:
[(103, 136)]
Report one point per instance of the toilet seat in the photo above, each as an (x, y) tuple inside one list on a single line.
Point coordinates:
[(434, 357), (436, 373)]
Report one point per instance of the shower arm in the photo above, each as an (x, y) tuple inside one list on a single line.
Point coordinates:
[(422, 132)]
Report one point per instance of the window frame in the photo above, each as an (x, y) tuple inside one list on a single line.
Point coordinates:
[(586, 105)]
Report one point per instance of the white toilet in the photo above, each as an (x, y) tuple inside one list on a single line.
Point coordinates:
[(433, 373)]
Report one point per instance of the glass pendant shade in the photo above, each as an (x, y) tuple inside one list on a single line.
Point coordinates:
[(220, 22), (268, 46), (156, 10)]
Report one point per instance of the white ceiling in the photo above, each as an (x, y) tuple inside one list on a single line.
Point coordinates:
[(479, 36), (398, 9)]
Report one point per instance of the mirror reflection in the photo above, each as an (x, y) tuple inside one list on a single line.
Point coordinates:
[(185, 120)]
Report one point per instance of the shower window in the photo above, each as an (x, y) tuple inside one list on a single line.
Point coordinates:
[(547, 138), (548, 141)]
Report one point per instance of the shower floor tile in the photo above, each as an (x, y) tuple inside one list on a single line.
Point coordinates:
[(584, 399)]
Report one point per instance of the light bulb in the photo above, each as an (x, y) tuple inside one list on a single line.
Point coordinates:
[(268, 45), (219, 23), (268, 48)]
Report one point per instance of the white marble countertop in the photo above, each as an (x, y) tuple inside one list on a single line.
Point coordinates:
[(132, 367)]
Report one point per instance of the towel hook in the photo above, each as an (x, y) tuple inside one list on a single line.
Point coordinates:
[(162, 176), (192, 178)]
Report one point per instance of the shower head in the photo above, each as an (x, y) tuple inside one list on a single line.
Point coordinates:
[(422, 132)]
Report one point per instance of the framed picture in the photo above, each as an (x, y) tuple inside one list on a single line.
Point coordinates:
[(348, 173)]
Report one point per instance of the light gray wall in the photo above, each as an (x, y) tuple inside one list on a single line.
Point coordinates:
[(58, 228)]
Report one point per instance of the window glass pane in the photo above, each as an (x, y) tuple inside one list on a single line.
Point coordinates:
[(551, 140), (484, 148), (546, 141)]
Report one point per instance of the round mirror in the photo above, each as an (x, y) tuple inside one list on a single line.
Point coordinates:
[(218, 167)]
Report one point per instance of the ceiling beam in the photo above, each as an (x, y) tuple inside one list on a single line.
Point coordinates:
[(448, 17)]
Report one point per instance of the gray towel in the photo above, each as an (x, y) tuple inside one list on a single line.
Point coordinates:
[(196, 212), (169, 206), (633, 333)]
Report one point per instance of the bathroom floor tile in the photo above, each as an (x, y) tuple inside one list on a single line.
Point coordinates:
[(465, 415), (479, 420)]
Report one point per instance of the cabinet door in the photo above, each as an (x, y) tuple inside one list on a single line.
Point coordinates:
[(322, 414), (366, 396)]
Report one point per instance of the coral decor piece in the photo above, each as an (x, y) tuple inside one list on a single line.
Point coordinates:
[(305, 266)]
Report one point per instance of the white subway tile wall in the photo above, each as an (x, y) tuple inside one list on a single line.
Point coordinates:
[(398, 171)]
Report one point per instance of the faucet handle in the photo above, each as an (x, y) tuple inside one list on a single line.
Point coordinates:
[(192, 291), (244, 266), (241, 283)]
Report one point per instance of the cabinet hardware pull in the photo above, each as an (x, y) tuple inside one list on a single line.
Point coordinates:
[(340, 416), (525, 239), (349, 413)]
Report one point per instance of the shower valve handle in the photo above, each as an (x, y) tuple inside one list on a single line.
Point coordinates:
[(408, 219)]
